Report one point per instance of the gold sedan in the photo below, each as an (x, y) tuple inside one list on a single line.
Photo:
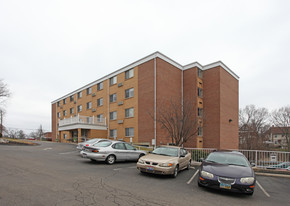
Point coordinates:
[(165, 160)]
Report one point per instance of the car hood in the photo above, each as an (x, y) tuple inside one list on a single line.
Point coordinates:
[(159, 158), (227, 170)]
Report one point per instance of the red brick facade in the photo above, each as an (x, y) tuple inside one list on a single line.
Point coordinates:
[(157, 80)]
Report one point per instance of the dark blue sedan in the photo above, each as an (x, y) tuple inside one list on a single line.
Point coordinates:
[(227, 170)]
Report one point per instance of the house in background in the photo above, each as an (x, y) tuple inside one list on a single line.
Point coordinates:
[(277, 137), (118, 105)]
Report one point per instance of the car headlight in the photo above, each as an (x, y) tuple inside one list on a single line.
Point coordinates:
[(207, 175), (247, 180), (141, 161), (165, 165)]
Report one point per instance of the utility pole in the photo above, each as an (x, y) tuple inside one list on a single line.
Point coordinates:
[(1, 132)]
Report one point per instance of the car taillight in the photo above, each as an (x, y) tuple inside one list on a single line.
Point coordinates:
[(95, 150), (87, 145)]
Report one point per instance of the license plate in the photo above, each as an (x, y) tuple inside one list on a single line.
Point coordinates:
[(150, 168), (225, 186)]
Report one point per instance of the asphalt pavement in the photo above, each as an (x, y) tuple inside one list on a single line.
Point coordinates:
[(55, 174)]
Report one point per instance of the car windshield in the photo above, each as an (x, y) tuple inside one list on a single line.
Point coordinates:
[(103, 144), (167, 151), (227, 158)]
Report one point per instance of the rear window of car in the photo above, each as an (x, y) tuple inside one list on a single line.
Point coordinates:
[(91, 141), (227, 158), (103, 144)]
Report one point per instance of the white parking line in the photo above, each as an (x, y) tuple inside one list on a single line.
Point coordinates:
[(68, 152), (47, 148), (189, 181), (265, 192), (116, 169)]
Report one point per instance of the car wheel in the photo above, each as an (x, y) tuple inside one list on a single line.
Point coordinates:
[(141, 155), (200, 185), (175, 171), (111, 159), (188, 165)]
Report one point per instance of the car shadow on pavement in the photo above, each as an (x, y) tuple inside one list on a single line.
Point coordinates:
[(224, 193)]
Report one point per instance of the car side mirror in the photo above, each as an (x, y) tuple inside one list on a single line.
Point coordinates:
[(201, 159), (253, 164), (182, 155)]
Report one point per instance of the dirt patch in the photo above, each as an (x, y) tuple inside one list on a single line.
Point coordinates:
[(19, 142)]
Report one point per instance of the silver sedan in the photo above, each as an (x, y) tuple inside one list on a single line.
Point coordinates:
[(90, 142), (112, 151)]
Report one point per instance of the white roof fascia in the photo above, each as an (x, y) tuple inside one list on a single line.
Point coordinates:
[(221, 64), (132, 65), (167, 59), (146, 59), (191, 65)]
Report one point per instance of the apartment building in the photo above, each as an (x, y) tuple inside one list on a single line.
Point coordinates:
[(122, 105)]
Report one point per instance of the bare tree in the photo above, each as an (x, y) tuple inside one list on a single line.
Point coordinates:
[(281, 119), (39, 134), (4, 92), (178, 119), (253, 127)]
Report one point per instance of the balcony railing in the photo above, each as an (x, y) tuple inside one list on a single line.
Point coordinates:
[(83, 120)]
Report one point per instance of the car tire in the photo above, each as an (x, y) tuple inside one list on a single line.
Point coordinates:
[(175, 173), (111, 159), (188, 165), (141, 155)]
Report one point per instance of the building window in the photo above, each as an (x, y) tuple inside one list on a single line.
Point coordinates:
[(113, 80), (113, 98), (58, 103), (58, 114), (100, 86), (100, 117), (64, 113), (89, 105), (129, 93), (64, 101), (129, 74), (199, 132), (80, 94), (129, 132), (199, 73), (113, 115), (199, 92), (129, 112), (89, 90), (71, 110), (71, 98), (80, 108), (113, 133), (100, 102), (200, 112)]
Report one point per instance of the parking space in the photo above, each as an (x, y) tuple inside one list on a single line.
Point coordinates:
[(68, 179)]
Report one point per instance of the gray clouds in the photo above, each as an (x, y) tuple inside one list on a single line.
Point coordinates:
[(50, 48)]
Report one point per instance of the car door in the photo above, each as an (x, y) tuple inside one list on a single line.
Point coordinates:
[(183, 160), (120, 151), (132, 154)]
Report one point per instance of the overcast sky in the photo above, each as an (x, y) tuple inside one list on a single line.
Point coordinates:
[(50, 48)]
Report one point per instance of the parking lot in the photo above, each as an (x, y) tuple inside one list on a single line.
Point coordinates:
[(54, 174)]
